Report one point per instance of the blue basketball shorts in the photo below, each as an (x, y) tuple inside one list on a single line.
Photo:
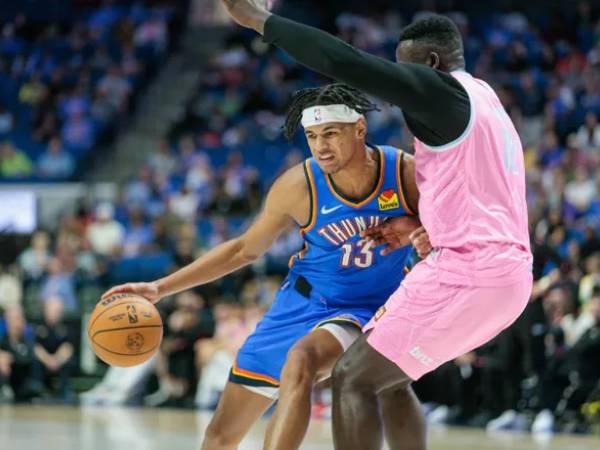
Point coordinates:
[(291, 317)]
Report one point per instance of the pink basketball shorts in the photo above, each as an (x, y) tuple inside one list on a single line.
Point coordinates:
[(427, 322)]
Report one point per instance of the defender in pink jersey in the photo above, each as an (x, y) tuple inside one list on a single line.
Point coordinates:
[(474, 284), (470, 174), (477, 280)]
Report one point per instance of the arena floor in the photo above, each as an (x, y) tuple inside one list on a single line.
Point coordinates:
[(66, 428)]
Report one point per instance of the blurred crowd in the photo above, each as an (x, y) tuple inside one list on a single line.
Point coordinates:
[(205, 181), (66, 86)]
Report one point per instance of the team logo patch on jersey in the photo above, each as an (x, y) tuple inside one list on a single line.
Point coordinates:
[(388, 200)]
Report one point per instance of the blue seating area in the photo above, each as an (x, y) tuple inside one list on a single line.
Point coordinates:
[(75, 79)]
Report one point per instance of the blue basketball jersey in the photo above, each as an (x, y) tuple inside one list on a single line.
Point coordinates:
[(339, 265)]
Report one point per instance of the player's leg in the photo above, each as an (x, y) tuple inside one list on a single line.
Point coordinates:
[(255, 376), (309, 360), (423, 325), (239, 408), (360, 378), (403, 420)]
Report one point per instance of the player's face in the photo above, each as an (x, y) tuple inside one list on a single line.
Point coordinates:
[(333, 144)]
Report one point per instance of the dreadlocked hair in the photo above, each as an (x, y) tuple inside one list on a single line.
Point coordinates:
[(332, 94)]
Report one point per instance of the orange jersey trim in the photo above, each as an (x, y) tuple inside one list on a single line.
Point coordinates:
[(399, 182), (291, 261), (298, 255), (313, 213), (253, 375), (313, 199)]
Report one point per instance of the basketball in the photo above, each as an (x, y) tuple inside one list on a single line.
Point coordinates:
[(125, 330)]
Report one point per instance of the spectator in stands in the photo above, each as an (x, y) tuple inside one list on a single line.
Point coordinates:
[(54, 348), (220, 232), (576, 321), (138, 233), (77, 102), (106, 15), (59, 284), (215, 355), (186, 154), (184, 204), (6, 122), (11, 289), (35, 258), (33, 91), (254, 192), (234, 176), (137, 190), (130, 64), (591, 279), (116, 87), (17, 358), (590, 244), (200, 177), (176, 362), (13, 162), (106, 234), (550, 152), (571, 375), (581, 191), (162, 161), (588, 135), (55, 163), (185, 252), (45, 126), (103, 111), (152, 33), (163, 239), (78, 133)]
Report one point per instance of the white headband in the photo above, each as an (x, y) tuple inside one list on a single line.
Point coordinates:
[(318, 115)]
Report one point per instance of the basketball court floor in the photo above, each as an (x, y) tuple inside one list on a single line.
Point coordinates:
[(87, 428)]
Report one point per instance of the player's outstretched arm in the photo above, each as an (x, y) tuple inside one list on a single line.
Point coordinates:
[(430, 98), (274, 219)]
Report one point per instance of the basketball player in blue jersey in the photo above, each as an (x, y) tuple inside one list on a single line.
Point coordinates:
[(336, 283)]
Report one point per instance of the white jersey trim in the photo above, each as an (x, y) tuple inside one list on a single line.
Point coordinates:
[(465, 133)]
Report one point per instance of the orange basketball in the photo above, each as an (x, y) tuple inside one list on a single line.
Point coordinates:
[(125, 330)]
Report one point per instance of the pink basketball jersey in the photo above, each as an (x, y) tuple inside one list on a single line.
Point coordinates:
[(473, 195)]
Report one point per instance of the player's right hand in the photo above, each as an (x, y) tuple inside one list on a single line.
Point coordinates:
[(146, 290), (392, 234), (249, 13)]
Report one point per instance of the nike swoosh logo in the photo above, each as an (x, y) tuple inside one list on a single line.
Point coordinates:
[(325, 210)]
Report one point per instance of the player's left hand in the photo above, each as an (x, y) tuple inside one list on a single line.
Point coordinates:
[(420, 241), (392, 234)]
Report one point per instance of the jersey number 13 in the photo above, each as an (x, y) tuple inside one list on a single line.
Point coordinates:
[(358, 254)]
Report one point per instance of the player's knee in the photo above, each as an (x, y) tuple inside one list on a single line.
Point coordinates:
[(300, 368), (217, 436), (344, 374)]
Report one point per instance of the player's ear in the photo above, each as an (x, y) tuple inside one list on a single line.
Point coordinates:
[(433, 60), (361, 129)]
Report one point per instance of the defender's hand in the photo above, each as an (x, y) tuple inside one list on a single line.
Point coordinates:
[(393, 233), (146, 290), (420, 241), (249, 13)]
